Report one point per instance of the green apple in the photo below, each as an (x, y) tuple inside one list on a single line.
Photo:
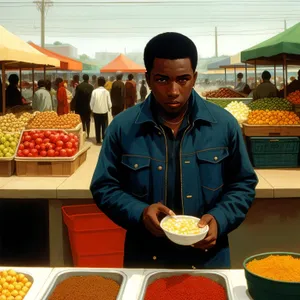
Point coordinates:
[(7, 144), (1, 154), (3, 140), (2, 147), (13, 144), (12, 151), (11, 139), (5, 150), (8, 154)]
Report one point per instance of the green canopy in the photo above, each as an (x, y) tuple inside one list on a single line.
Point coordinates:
[(272, 50)]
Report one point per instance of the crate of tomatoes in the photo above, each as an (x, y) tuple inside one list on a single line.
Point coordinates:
[(49, 153)]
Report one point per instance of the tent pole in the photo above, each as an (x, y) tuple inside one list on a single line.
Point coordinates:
[(275, 81), (20, 78), (246, 74), (44, 72), (284, 75), (32, 82), (255, 72), (235, 76), (3, 89), (225, 76)]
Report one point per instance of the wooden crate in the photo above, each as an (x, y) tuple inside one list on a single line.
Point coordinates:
[(7, 167), (266, 130), (51, 166)]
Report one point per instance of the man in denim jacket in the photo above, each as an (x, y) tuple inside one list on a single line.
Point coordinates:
[(177, 153)]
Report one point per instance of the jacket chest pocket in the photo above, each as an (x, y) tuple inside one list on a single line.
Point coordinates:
[(211, 168), (136, 175)]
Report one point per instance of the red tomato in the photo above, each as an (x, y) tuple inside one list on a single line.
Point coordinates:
[(59, 143), (20, 153), (47, 133), (46, 141), (76, 145), (37, 147), (69, 152), (21, 147), (75, 138), (43, 146), (50, 153), (73, 141), (34, 152), (56, 153), (53, 138), (69, 145), (58, 148), (28, 138), (30, 154), (71, 135), (65, 138), (43, 153), (63, 153), (35, 136), (42, 136), (23, 138), (31, 145), (38, 141), (26, 133), (25, 152)]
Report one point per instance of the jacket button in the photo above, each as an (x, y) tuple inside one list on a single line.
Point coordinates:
[(154, 257), (189, 196), (216, 158), (136, 166), (159, 168)]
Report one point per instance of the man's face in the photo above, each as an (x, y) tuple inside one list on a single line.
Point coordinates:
[(171, 82)]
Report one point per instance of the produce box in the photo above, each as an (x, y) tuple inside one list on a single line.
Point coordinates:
[(277, 152), (268, 130), (7, 167), (50, 166)]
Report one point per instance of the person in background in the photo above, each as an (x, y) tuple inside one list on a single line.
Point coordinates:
[(42, 99), (74, 84), (94, 81), (100, 106), (292, 78), (13, 95), (109, 83), (266, 89), (143, 91), (174, 153), (241, 86), (117, 95), (52, 92), (130, 92), (82, 99), (294, 85), (62, 98)]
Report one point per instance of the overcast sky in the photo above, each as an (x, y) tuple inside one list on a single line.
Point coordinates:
[(95, 26)]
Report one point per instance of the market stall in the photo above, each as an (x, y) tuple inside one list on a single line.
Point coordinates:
[(17, 54)]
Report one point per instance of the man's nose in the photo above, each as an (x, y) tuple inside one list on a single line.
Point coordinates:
[(173, 90)]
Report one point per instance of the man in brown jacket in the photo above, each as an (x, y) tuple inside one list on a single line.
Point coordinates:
[(130, 92), (117, 95), (266, 89)]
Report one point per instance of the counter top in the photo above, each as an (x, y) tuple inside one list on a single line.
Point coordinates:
[(275, 183)]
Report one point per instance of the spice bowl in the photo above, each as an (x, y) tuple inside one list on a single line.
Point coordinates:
[(184, 239), (261, 288), (60, 276)]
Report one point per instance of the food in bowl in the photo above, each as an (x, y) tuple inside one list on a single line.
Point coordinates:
[(276, 267), (183, 226)]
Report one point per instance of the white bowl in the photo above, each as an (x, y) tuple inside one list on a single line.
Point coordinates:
[(184, 239)]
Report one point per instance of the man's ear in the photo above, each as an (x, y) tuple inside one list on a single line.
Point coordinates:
[(195, 77), (147, 75)]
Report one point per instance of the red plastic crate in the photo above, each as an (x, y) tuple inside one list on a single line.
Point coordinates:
[(95, 240)]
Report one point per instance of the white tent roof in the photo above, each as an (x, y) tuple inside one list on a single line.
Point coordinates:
[(14, 53)]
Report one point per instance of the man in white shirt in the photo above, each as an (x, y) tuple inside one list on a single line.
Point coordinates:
[(100, 106), (42, 98)]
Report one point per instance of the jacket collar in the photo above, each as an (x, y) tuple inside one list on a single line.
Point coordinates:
[(197, 110)]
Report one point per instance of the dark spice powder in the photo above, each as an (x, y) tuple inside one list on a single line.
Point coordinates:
[(86, 288), (185, 287)]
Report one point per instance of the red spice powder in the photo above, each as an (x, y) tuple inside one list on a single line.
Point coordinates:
[(185, 287)]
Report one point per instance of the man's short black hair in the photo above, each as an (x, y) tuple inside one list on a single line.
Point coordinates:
[(76, 77), (130, 77), (85, 77), (266, 75), (170, 45), (119, 76), (240, 75), (41, 83), (101, 81), (13, 79)]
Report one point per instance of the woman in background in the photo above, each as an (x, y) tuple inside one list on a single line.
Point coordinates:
[(62, 98)]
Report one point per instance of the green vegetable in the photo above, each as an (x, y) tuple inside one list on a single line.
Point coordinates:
[(271, 104)]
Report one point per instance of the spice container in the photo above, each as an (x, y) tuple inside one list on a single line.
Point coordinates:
[(261, 288), (117, 276), (219, 278)]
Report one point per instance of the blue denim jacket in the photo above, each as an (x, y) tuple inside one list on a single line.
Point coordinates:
[(216, 176)]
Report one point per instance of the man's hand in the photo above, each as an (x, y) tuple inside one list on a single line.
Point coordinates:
[(211, 238), (152, 216)]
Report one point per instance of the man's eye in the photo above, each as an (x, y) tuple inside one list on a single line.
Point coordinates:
[(161, 80), (183, 80)]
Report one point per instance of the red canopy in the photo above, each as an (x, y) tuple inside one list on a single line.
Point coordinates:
[(122, 64)]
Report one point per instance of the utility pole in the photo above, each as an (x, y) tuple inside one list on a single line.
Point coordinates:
[(42, 6), (285, 25), (216, 41)]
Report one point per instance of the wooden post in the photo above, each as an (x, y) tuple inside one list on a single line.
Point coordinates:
[(44, 72), (3, 89), (225, 76), (32, 82), (246, 73), (20, 78), (284, 75), (234, 76), (275, 81), (255, 73)]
